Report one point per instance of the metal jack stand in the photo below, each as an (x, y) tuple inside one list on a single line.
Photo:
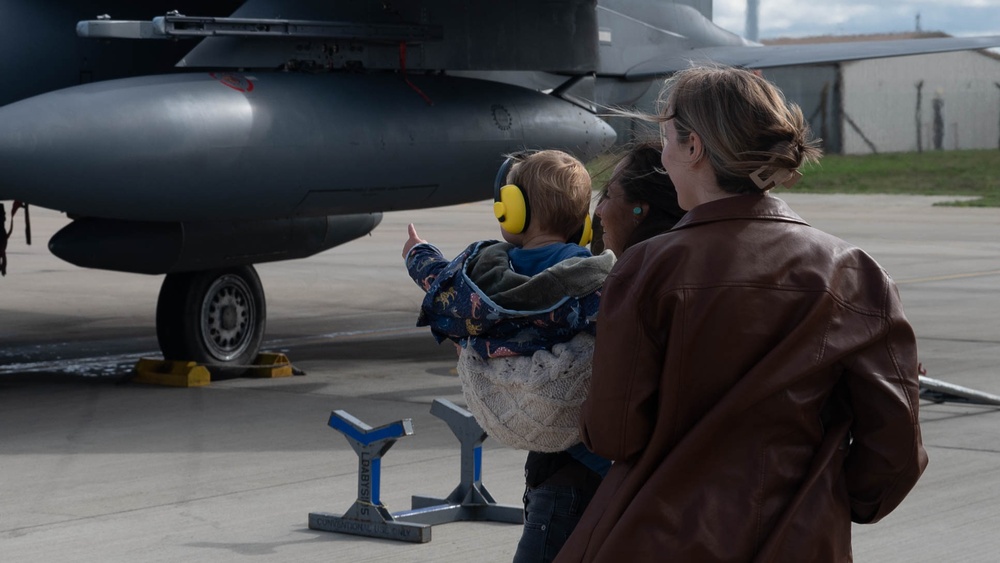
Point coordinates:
[(470, 500), (367, 516), (942, 391)]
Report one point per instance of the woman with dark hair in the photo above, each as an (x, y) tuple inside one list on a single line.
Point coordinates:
[(639, 200), (754, 379)]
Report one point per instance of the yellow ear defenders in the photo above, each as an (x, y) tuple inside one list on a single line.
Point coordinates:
[(510, 205), (585, 234)]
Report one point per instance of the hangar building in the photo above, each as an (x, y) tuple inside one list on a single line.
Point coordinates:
[(943, 101)]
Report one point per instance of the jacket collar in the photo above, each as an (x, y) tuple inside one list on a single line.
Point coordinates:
[(742, 207)]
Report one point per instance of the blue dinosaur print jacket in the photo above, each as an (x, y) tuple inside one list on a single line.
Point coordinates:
[(478, 301)]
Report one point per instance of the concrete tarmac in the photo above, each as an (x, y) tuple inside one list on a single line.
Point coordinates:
[(96, 468)]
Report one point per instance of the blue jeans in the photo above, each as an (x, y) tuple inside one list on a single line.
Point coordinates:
[(550, 514)]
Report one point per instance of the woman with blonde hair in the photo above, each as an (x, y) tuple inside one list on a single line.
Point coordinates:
[(754, 379)]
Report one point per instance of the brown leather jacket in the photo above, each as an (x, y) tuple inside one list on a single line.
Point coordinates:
[(756, 381)]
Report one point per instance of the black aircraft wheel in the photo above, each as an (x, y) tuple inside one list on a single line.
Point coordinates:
[(214, 317)]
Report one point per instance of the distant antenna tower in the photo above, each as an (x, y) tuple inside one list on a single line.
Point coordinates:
[(753, 6), (918, 23)]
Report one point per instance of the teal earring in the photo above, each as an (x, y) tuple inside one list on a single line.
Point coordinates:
[(637, 210)]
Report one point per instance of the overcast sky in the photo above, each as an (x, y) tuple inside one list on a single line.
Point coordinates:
[(795, 18)]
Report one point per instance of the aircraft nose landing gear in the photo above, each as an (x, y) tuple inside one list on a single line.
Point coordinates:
[(214, 317), (227, 317)]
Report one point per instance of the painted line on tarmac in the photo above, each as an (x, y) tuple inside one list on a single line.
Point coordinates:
[(95, 366), (347, 335), (950, 277), (112, 364)]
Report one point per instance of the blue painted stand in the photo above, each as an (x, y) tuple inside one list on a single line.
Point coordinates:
[(470, 500), (368, 516)]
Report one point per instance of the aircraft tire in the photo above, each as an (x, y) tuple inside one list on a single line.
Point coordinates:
[(214, 317), (168, 306)]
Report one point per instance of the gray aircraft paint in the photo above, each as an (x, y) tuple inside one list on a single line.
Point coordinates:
[(195, 147), (169, 162)]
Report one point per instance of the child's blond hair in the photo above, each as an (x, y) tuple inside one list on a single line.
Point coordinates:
[(558, 189)]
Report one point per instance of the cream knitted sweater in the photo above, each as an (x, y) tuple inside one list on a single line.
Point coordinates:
[(530, 402)]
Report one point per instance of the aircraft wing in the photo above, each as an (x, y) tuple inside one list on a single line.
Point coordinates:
[(787, 55)]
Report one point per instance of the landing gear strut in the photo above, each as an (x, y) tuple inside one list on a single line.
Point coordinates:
[(214, 317)]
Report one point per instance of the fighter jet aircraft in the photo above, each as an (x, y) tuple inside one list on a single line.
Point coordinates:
[(195, 139)]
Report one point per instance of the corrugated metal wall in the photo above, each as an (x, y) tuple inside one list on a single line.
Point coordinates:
[(817, 91), (875, 105), (943, 101)]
